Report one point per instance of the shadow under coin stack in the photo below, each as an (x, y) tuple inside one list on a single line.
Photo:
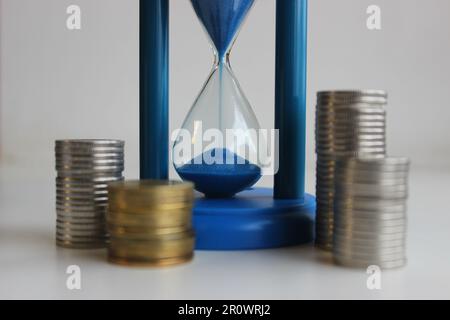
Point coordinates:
[(370, 212), (348, 124), (150, 223), (84, 168)]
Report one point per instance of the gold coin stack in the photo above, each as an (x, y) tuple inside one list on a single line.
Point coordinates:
[(150, 223)]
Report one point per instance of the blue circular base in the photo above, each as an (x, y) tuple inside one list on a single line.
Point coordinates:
[(253, 219)]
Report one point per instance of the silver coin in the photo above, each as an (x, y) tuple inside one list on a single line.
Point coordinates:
[(90, 180), (70, 215), (324, 204), (81, 190), (90, 157), (324, 220), (81, 240), (80, 208), (377, 212), (328, 106), (71, 226), (96, 237), (369, 257), (374, 223), (82, 197), (89, 161), (372, 164), (372, 249), (81, 246), (352, 113), (81, 232), (342, 242), (324, 234), (355, 174), (349, 117), (66, 169), (334, 104), (392, 241), (99, 238), (353, 263), (369, 216), (324, 243), (326, 176), (370, 204), (78, 235), (80, 220), (375, 235), (331, 129), (372, 178), (331, 136), (324, 214), (387, 254), (382, 186), (375, 153), (345, 128), (89, 142), (87, 150), (80, 202), (349, 144), (89, 165), (374, 194), (358, 229)]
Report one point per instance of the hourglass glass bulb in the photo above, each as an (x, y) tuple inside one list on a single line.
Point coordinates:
[(222, 168)]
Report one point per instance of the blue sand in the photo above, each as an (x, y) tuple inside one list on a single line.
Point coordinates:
[(253, 219), (220, 178), (222, 19)]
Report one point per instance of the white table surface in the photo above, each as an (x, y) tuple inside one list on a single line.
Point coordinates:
[(31, 266)]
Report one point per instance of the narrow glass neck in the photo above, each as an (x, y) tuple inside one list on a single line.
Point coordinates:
[(221, 59)]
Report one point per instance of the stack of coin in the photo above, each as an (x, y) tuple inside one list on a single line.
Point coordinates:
[(150, 223), (370, 212), (84, 168), (348, 124)]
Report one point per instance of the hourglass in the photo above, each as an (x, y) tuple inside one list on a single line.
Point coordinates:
[(222, 168), (220, 146)]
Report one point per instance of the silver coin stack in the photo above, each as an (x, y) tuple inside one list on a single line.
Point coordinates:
[(84, 168), (370, 212), (348, 124)]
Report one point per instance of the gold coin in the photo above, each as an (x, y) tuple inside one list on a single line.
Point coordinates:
[(151, 188), (142, 249), (150, 262), (141, 208), (154, 221), (144, 232)]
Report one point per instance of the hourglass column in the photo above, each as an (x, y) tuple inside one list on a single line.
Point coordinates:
[(290, 97), (154, 88)]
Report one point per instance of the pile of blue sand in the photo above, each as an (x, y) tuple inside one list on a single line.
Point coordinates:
[(222, 19), (221, 179)]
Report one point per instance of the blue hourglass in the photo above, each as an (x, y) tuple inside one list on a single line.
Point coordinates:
[(219, 147)]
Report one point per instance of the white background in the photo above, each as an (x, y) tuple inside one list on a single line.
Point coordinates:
[(58, 84)]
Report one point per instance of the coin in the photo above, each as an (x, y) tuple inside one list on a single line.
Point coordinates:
[(365, 264), (84, 169)]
